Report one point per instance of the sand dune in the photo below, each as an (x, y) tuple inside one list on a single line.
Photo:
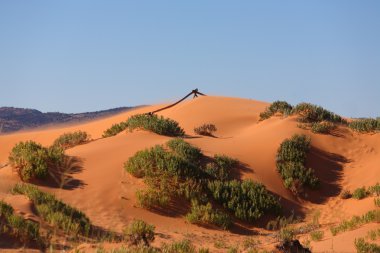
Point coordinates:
[(107, 194)]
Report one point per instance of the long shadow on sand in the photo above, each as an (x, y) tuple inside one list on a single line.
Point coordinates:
[(328, 167), (63, 175)]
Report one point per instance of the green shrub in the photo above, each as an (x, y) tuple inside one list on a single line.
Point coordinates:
[(291, 157), (68, 140), (316, 235), (155, 124), (184, 150), (151, 198), (346, 194), (360, 193), (356, 221), (374, 190), (247, 200), (286, 234), (205, 215), (115, 129), (276, 107), (18, 227), (366, 247), (205, 129), (309, 113), (377, 202), (184, 246), (365, 125), (32, 161), (221, 167), (54, 211), (323, 127), (139, 231)]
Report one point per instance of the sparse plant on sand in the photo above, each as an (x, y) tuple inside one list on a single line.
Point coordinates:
[(377, 202), (323, 127), (367, 125), (316, 235), (138, 231), (309, 113), (365, 247), (184, 246), (345, 194), (281, 107), (155, 124), (360, 193), (69, 140), (374, 190), (32, 161), (115, 129), (291, 157), (205, 129)]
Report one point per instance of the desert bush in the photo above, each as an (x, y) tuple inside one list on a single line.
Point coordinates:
[(205, 129), (248, 200), (316, 235), (221, 167), (16, 226), (365, 247), (323, 127), (286, 234), (374, 190), (365, 125), (184, 150), (151, 198), (115, 129), (206, 215), (360, 193), (139, 231), (276, 107), (377, 202), (69, 140), (54, 211), (346, 194), (356, 221), (291, 157), (155, 124), (184, 246), (309, 113), (32, 161)]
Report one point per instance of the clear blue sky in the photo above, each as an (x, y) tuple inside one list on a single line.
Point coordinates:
[(74, 56)]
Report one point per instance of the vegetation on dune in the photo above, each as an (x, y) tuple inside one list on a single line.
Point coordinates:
[(184, 246), (54, 211), (316, 235), (138, 231), (360, 193), (205, 129), (276, 107), (69, 140), (323, 127), (345, 194), (365, 247), (366, 125), (115, 129), (32, 161), (24, 230), (356, 221), (291, 157), (176, 170), (153, 123), (310, 113)]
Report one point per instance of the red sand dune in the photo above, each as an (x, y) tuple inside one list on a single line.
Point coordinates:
[(107, 194)]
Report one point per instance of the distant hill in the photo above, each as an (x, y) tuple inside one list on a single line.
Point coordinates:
[(14, 119)]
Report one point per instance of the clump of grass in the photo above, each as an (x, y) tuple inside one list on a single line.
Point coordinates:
[(54, 211), (309, 113), (345, 194), (138, 231), (205, 129), (16, 226), (291, 157), (184, 246), (360, 193), (32, 161), (374, 190), (115, 129), (365, 247), (69, 140), (377, 202), (367, 125), (316, 235), (356, 221), (323, 127), (155, 124), (276, 107), (206, 215), (286, 234)]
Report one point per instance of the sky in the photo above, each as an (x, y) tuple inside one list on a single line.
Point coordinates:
[(76, 56)]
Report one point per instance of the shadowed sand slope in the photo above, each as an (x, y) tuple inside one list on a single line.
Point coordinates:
[(107, 194)]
